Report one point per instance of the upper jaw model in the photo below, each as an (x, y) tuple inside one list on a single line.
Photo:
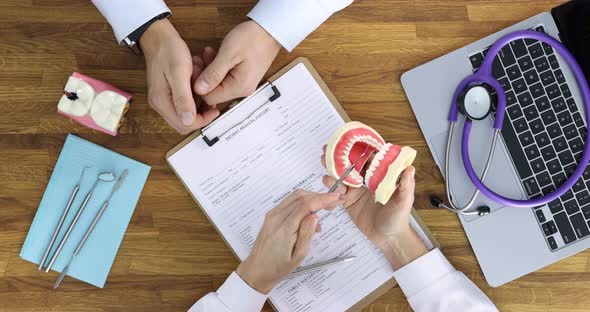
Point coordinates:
[(94, 103), (384, 170)]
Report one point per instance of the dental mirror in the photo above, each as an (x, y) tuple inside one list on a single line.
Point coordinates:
[(106, 177)]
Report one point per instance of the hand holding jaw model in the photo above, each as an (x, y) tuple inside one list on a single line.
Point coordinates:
[(384, 169)]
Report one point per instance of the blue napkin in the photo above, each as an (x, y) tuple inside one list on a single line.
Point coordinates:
[(93, 263)]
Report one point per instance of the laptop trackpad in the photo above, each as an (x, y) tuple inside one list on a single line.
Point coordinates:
[(501, 176)]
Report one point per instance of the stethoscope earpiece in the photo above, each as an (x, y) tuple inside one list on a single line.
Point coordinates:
[(436, 201), (483, 211), (439, 203)]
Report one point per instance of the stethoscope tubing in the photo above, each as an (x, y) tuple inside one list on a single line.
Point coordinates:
[(484, 75), (471, 201)]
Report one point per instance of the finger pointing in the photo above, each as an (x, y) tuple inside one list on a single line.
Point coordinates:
[(329, 182), (309, 205)]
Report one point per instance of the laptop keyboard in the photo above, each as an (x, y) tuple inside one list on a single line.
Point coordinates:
[(544, 132)]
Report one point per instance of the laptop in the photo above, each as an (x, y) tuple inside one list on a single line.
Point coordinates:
[(542, 139)]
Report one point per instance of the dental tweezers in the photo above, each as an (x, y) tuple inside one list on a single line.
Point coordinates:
[(349, 170)]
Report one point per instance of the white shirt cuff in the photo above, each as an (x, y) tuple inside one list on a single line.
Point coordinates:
[(289, 22), (125, 16), (422, 272), (238, 296)]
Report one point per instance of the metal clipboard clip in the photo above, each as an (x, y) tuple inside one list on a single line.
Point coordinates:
[(276, 94)]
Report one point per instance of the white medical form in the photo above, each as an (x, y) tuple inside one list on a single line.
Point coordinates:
[(265, 150)]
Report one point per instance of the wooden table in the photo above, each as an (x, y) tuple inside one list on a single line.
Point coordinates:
[(171, 254)]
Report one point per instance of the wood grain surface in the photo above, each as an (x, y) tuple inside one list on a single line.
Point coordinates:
[(171, 254)]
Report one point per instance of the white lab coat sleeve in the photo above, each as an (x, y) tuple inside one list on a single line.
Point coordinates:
[(432, 284), (291, 21), (233, 296), (125, 16)]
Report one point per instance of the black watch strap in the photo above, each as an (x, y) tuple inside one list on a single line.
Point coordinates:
[(132, 41)]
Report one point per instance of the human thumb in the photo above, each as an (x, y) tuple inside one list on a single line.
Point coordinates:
[(407, 186), (182, 96), (214, 73)]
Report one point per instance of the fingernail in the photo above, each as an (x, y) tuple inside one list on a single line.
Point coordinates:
[(412, 172), (202, 86), (187, 118), (316, 219)]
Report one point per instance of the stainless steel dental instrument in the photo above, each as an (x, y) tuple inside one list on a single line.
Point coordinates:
[(90, 228), (349, 170), (102, 177), (62, 218), (320, 266)]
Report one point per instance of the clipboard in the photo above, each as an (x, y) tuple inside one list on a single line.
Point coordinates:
[(211, 140)]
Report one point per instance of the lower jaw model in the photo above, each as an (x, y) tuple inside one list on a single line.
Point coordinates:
[(385, 168)]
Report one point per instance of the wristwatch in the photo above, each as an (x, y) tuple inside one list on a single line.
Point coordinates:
[(132, 41)]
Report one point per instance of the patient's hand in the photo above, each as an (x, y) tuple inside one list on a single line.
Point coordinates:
[(285, 239), (387, 226)]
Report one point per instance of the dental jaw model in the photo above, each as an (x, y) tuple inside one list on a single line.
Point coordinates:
[(384, 169), (93, 103)]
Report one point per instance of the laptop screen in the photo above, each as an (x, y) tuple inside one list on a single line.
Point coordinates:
[(573, 21)]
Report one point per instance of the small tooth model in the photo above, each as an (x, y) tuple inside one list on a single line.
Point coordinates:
[(94, 104), (384, 170)]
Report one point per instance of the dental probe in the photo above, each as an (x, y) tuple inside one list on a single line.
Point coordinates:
[(62, 219)]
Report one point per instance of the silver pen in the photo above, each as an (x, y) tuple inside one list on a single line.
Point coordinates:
[(89, 231), (320, 266)]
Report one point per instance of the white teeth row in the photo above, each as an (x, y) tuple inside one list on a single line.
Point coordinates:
[(359, 138), (81, 105), (375, 163), (105, 108)]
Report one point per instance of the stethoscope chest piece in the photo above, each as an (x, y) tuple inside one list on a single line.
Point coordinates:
[(476, 102)]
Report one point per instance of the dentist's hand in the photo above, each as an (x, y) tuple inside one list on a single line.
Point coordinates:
[(387, 226), (169, 68), (285, 238), (245, 55)]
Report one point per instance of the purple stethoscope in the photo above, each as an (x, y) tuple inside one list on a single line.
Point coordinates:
[(473, 99)]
